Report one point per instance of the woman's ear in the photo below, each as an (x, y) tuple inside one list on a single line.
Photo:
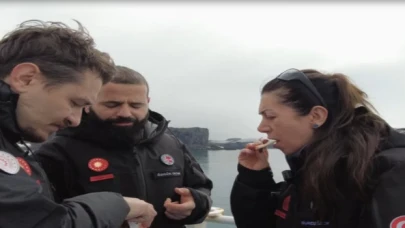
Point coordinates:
[(318, 115)]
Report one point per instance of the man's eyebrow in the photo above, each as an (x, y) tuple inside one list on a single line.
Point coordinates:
[(112, 102), (137, 103)]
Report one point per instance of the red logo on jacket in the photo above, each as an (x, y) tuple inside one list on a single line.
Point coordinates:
[(398, 222), (98, 164), (286, 204), (24, 165)]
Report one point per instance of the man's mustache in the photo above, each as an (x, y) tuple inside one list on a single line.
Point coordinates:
[(122, 120)]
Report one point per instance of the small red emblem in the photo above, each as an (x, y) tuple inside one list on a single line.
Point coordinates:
[(286, 203), (98, 164), (101, 177), (24, 165), (167, 159), (280, 214), (398, 222)]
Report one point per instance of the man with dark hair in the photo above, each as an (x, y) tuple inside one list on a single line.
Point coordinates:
[(128, 76), (48, 74), (122, 146)]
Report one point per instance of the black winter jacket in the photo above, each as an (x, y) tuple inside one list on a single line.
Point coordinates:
[(26, 199), (143, 171), (257, 201)]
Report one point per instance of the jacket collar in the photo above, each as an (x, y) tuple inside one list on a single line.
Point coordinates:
[(8, 120), (154, 128)]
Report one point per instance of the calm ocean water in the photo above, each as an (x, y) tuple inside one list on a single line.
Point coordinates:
[(220, 166)]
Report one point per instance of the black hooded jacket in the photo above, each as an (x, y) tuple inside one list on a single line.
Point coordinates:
[(26, 199), (143, 170), (257, 201)]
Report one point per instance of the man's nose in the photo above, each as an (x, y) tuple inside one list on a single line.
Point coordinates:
[(74, 119), (124, 111)]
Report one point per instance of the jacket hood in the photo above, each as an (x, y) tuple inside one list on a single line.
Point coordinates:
[(155, 127), (395, 139)]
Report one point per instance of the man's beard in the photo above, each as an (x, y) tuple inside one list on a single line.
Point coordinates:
[(117, 135)]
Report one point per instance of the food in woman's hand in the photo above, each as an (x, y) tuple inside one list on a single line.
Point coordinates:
[(266, 143)]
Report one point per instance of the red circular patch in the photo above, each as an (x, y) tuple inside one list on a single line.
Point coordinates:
[(24, 165), (398, 222), (167, 159), (98, 164)]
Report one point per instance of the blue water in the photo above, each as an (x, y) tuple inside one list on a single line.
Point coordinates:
[(221, 165)]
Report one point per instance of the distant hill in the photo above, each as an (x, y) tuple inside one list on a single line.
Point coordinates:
[(196, 138), (230, 144)]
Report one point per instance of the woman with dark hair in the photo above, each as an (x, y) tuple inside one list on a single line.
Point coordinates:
[(347, 165)]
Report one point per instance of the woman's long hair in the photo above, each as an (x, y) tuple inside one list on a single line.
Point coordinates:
[(344, 146)]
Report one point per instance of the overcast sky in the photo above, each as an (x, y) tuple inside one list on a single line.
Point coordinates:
[(205, 62)]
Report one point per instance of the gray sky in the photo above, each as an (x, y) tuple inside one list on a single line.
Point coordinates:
[(205, 62)]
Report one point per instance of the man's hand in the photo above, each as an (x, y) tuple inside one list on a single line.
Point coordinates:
[(140, 212), (176, 210)]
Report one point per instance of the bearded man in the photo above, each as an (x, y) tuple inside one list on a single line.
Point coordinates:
[(122, 146)]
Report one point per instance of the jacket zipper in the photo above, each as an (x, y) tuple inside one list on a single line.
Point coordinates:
[(47, 184), (141, 175)]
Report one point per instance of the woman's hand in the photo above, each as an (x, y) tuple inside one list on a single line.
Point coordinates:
[(254, 158)]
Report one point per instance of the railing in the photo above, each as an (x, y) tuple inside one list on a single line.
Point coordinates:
[(216, 215)]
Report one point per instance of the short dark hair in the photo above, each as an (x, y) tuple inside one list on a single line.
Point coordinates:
[(125, 75), (61, 53)]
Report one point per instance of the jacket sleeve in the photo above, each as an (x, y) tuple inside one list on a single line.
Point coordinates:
[(23, 206), (200, 187), (57, 168), (388, 200), (252, 203)]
